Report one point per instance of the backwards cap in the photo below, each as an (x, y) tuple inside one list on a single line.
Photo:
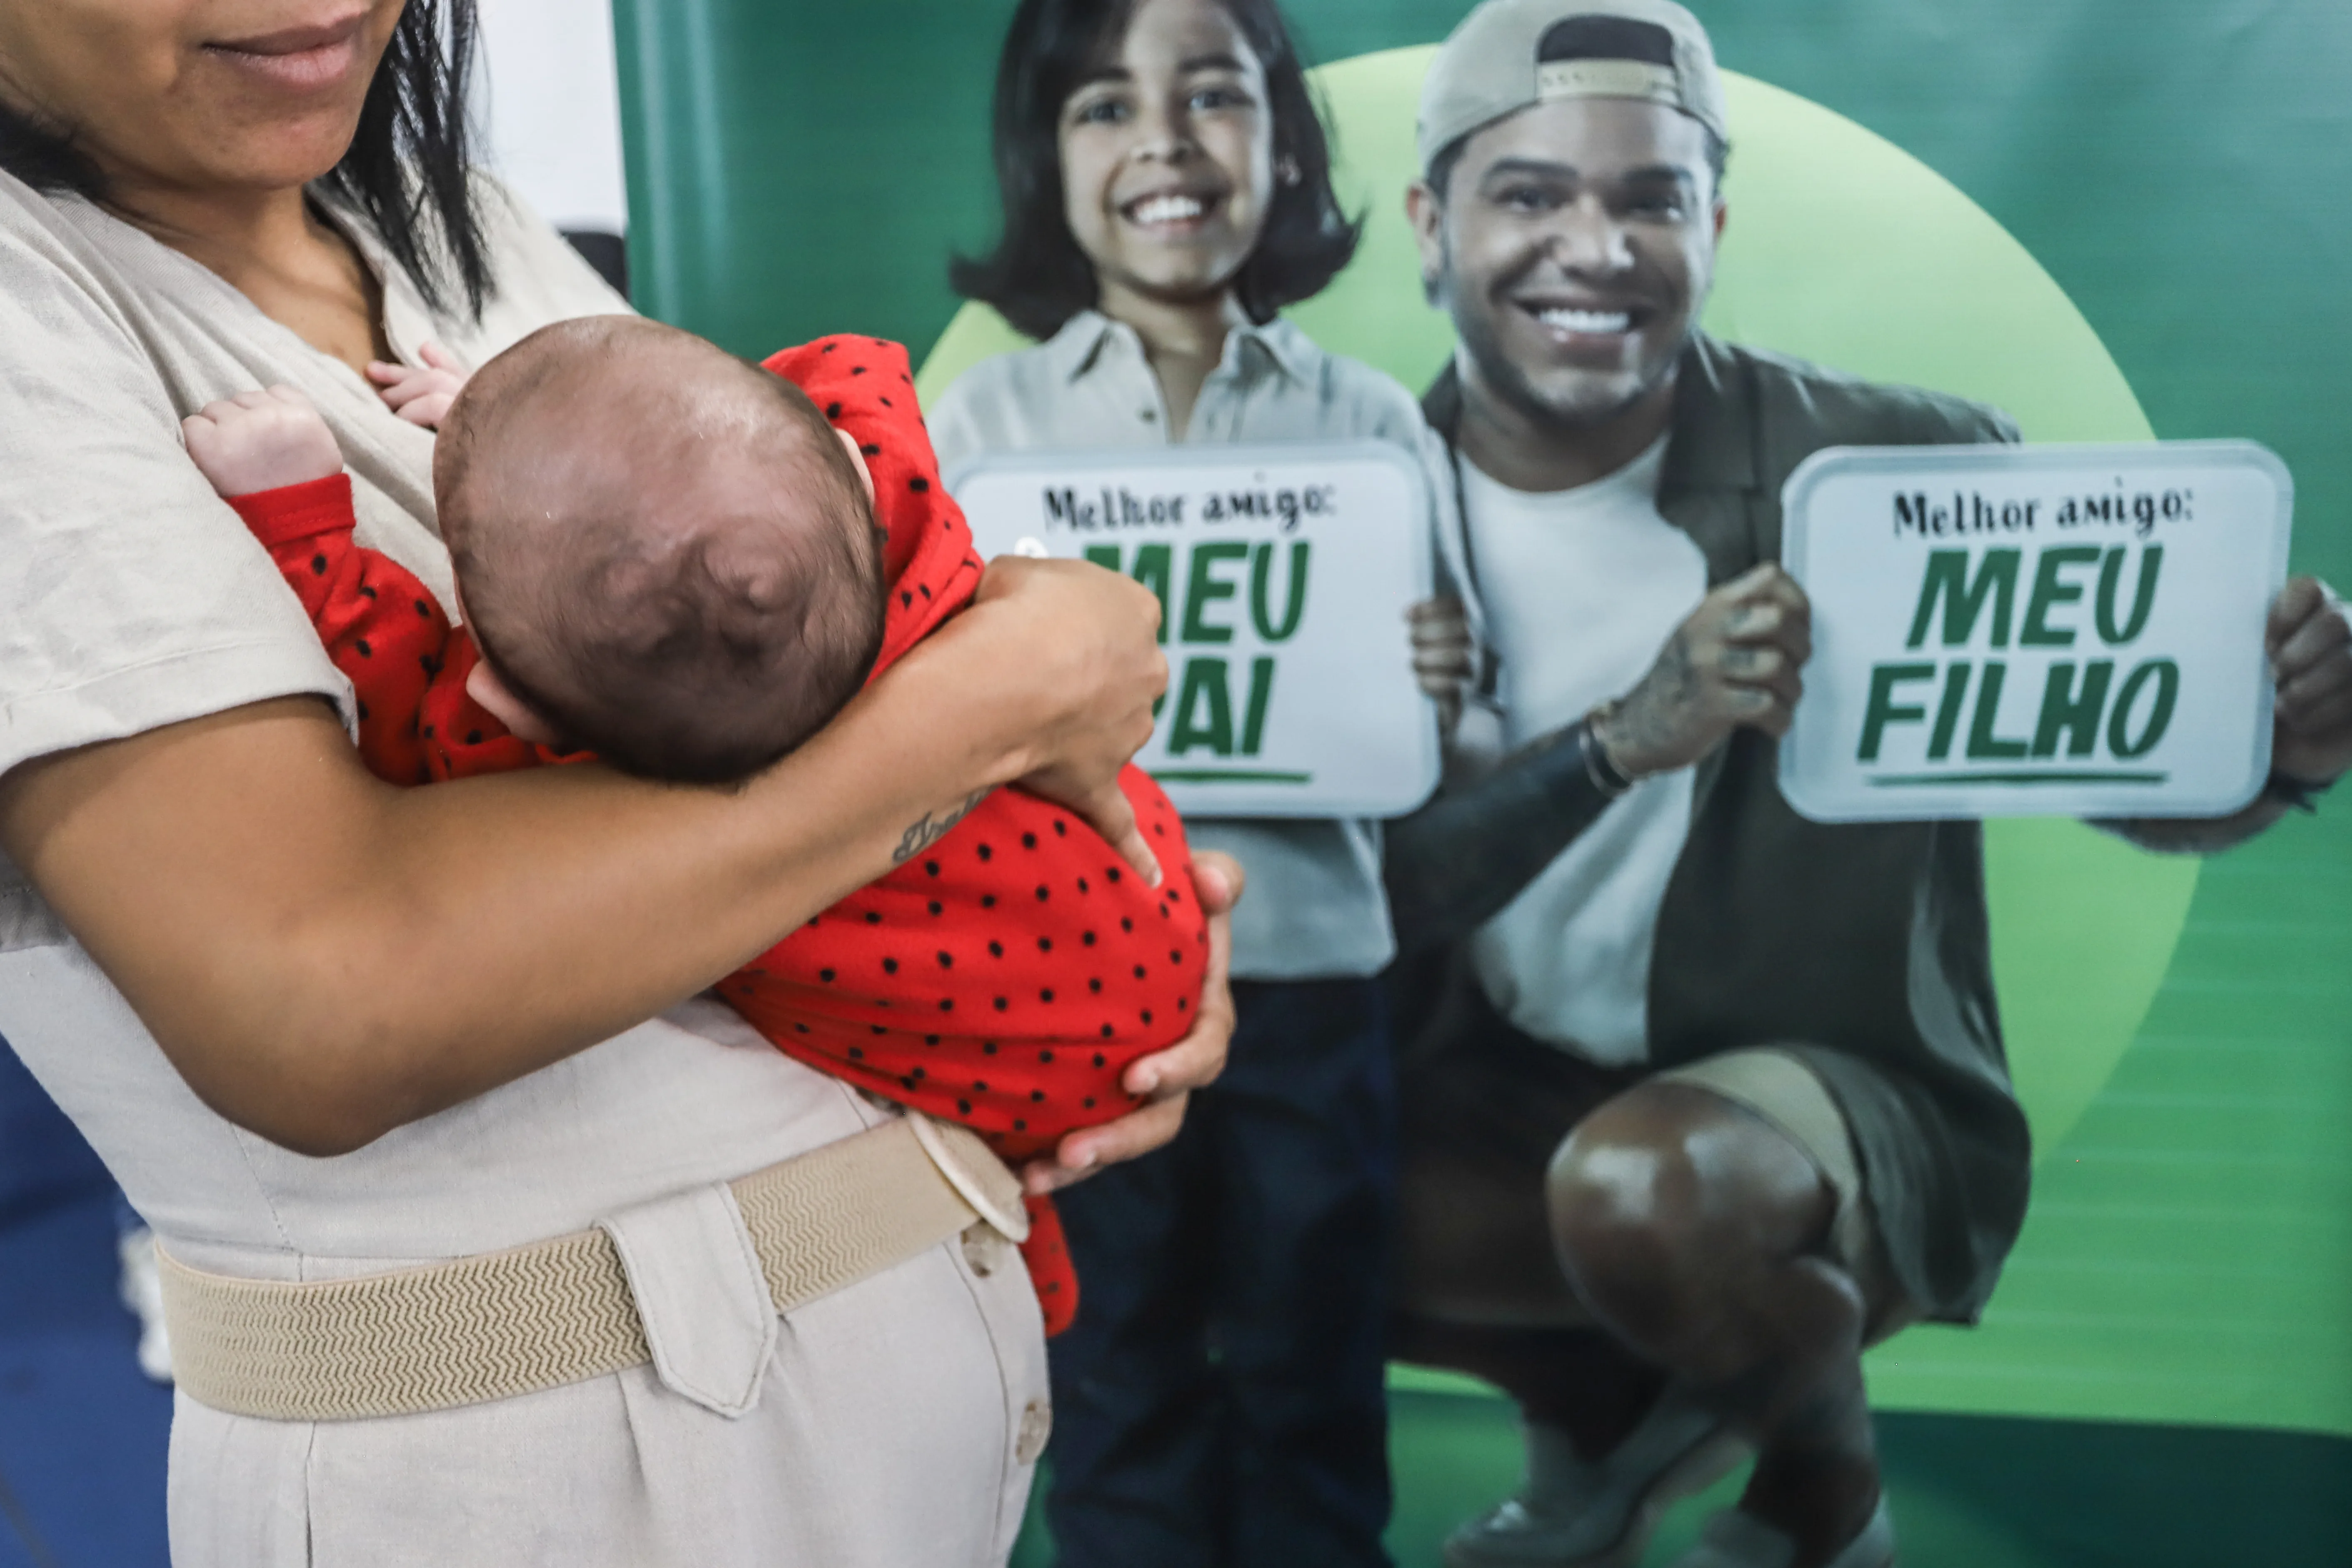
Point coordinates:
[(1509, 54)]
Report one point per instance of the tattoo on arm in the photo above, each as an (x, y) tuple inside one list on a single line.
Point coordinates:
[(1647, 720), (927, 830)]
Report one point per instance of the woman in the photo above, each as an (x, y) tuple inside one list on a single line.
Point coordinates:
[(322, 1030), (1166, 190)]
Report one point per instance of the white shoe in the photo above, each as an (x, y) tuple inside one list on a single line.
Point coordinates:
[(1573, 1513), (142, 1292), (1737, 1540)]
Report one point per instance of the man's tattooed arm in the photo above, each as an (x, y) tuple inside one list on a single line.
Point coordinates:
[(1653, 717)]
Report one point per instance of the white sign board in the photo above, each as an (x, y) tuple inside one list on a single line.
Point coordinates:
[(1284, 574), (2031, 631)]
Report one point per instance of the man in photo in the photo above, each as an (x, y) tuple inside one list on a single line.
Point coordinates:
[(1706, 1097)]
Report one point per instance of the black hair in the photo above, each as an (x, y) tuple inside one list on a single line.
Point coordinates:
[(1038, 278), (1593, 39), (690, 674), (692, 665), (405, 171)]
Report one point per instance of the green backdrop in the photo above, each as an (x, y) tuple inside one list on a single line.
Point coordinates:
[(2111, 217)]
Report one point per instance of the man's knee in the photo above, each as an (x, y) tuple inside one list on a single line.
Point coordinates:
[(1669, 1204)]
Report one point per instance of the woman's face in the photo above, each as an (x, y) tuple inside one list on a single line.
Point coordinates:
[(197, 95), (1168, 152)]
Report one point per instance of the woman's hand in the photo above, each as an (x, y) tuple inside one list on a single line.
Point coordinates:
[(1165, 1078), (1085, 642)]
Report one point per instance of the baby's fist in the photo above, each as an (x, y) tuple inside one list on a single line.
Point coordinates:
[(261, 441), (420, 395)]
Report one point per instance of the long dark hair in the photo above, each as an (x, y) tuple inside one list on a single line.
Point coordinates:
[(405, 171), (1038, 278)]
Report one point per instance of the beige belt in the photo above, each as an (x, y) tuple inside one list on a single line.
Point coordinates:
[(561, 1312)]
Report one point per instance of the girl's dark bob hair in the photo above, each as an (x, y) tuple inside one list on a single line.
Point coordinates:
[(404, 172), (1038, 278)]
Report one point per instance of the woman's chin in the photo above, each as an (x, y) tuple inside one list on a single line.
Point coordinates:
[(281, 153)]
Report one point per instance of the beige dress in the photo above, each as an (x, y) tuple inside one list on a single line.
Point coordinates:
[(890, 1430)]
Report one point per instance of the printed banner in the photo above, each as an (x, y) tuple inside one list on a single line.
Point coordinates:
[(1284, 574), (2020, 631)]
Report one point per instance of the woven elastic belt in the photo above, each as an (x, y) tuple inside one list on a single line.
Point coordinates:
[(561, 1312)]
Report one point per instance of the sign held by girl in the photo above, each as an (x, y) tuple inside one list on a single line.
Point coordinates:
[(1284, 575)]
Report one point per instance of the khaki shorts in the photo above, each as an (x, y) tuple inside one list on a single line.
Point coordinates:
[(1779, 1089), (1513, 1100)]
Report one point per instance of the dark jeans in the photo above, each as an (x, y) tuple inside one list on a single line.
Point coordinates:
[(1219, 1400)]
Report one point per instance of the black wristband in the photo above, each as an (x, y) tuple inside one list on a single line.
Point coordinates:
[(1607, 777)]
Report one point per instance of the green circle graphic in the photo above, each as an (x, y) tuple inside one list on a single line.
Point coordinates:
[(1844, 249)]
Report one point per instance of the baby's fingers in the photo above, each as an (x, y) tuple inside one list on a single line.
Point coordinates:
[(427, 411)]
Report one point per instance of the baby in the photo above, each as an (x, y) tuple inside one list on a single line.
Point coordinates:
[(685, 566)]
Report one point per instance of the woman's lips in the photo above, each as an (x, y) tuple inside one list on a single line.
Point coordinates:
[(298, 59)]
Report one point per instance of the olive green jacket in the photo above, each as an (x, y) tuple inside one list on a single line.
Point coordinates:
[(1862, 947)]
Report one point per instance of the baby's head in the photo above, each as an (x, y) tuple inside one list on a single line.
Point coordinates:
[(667, 556)]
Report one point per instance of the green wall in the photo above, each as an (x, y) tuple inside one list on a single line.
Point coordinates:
[(2182, 168)]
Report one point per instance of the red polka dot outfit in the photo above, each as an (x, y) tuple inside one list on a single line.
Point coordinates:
[(1002, 977)]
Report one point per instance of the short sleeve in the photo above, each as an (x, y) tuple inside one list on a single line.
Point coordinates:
[(130, 596)]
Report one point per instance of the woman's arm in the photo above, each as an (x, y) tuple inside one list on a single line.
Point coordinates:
[(325, 958)]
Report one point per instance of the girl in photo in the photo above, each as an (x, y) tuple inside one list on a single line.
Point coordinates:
[(1166, 188)]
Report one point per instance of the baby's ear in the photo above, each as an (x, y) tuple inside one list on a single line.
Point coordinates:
[(521, 720), (864, 474)]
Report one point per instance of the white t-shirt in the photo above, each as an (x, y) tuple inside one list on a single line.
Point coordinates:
[(1581, 588)]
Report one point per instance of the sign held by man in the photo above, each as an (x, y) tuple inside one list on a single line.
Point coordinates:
[(2009, 631)]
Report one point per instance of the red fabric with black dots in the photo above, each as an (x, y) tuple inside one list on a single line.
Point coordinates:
[(407, 665), (1002, 977)]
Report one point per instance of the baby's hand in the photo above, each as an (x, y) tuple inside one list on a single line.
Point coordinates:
[(421, 396), (261, 441)]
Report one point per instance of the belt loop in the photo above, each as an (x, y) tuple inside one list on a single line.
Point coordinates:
[(700, 1293)]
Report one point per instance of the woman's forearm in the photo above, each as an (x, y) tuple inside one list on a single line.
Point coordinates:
[(324, 957), (1457, 861)]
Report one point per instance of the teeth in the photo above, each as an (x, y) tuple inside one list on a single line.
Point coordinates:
[(1586, 320), (1167, 209)]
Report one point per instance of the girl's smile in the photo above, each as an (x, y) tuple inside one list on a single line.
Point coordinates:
[(1167, 156), (1168, 213)]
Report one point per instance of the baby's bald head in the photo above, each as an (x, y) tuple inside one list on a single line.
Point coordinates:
[(666, 552)]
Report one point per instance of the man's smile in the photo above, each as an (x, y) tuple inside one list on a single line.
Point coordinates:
[(1584, 321)]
